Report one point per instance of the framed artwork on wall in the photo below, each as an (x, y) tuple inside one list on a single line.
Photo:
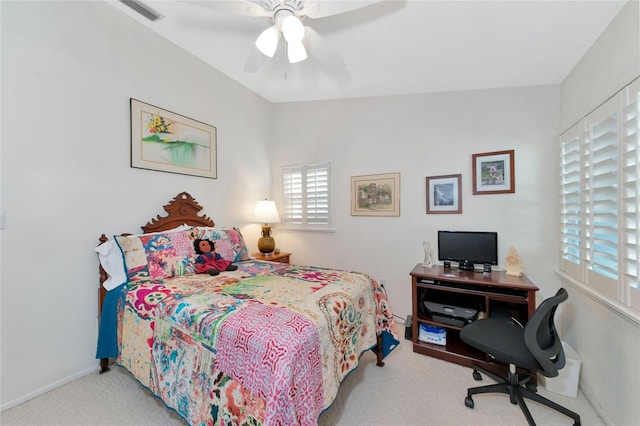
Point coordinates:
[(375, 195), (168, 142), (494, 173), (444, 194)]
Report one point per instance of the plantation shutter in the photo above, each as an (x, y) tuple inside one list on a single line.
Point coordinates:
[(292, 193), (570, 205), (318, 195), (306, 197), (600, 200), (630, 195), (600, 189)]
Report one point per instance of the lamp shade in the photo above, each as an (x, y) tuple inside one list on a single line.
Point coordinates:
[(266, 212), (267, 42), (292, 28), (296, 52)]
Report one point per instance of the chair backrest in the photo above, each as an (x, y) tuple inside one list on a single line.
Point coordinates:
[(541, 337)]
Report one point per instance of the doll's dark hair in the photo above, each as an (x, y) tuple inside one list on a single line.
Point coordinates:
[(196, 245)]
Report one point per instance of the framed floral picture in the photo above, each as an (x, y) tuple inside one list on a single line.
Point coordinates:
[(375, 195), (494, 173), (444, 194), (165, 141)]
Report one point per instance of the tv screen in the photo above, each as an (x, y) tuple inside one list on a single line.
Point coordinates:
[(468, 248)]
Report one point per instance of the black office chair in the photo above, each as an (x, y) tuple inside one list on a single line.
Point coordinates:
[(536, 347)]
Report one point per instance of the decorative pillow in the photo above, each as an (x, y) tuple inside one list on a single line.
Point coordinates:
[(134, 257), (169, 255), (157, 255), (229, 241), (112, 260)]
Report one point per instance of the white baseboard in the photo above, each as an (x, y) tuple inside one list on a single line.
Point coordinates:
[(49, 387)]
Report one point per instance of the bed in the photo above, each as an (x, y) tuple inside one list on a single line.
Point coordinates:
[(268, 343)]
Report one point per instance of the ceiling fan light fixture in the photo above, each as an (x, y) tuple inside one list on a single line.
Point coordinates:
[(267, 41), (296, 52), (292, 29)]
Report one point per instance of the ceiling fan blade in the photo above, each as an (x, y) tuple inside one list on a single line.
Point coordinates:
[(237, 7), (255, 61), (321, 9), (319, 48)]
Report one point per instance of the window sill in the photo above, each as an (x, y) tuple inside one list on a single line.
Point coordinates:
[(621, 310), (312, 230)]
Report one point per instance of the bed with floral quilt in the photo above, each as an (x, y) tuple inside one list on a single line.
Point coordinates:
[(268, 343)]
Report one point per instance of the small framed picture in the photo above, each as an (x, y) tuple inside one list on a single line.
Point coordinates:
[(375, 195), (444, 194), (494, 173)]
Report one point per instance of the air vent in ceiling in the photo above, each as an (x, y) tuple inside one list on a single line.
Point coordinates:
[(143, 9)]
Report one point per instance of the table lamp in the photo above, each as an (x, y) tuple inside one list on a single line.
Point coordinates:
[(266, 212)]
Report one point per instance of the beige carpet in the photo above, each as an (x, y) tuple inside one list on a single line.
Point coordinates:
[(411, 389)]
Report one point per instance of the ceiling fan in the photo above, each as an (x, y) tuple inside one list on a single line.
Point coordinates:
[(286, 18)]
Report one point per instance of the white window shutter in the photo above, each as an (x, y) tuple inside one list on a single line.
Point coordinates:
[(600, 189), (318, 196), (570, 193), (306, 196), (292, 204), (630, 196)]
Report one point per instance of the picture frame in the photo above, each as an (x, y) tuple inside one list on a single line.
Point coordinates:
[(375, 195), (164, 141), (444, 194), (494, 173)]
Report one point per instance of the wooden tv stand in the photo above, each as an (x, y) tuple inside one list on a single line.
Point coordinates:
[(493, 293)]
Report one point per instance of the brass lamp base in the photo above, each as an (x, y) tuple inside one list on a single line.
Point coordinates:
[(266, 244)]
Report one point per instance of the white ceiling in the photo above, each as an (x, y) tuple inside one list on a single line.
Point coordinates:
[(398, 47)]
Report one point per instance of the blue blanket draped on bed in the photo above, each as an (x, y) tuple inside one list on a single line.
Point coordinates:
[(108, 330)]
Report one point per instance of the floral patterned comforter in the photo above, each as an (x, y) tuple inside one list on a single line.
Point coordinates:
[(267, 344)]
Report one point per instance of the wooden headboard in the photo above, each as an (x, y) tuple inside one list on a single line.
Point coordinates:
[(181, 210)]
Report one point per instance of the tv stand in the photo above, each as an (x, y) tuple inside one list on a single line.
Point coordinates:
[(491, 294)]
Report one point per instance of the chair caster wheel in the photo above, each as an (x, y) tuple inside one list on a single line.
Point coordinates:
[(468, 402), (477, 376)]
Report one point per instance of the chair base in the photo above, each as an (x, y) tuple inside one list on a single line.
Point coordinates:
[(517, 391)]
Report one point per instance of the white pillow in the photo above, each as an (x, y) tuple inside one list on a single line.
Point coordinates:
[(112, 261)]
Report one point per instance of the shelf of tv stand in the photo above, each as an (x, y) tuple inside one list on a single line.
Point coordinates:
[(494, 291)]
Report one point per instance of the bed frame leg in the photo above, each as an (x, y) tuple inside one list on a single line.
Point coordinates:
[(104, 365), (380, 362)]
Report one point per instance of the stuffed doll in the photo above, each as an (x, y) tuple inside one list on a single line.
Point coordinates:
[(208, 261)]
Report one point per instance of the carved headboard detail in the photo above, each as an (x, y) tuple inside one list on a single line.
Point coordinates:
[(183, 209)]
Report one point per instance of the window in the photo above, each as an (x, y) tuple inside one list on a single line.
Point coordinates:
[(600, 200), (306, 196)]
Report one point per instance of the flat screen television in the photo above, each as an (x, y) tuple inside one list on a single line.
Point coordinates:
[(468, 248)]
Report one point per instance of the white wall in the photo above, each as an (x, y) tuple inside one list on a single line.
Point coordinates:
[(68, 71), (608, 343), (609, 65), (420, 136)]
